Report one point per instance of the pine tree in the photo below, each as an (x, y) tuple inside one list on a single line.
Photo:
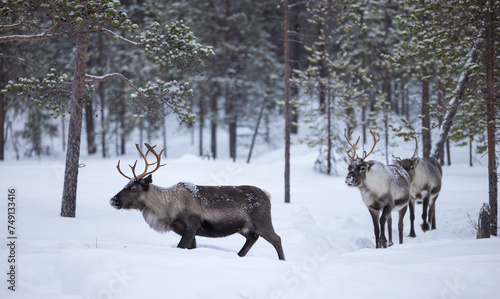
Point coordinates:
[(347, 57), (77, 20), (245, 68), (436, 41), (459, 39)]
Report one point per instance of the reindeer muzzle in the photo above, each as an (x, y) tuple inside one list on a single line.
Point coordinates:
[(115, 203), (349, 180)]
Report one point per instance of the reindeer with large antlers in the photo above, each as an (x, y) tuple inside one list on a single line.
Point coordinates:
[(383, 188), (191, 210), (425, 174)]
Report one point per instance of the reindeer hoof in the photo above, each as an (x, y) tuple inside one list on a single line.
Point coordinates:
[(382, 244), (390, 243), (412, 235), (425, 227)]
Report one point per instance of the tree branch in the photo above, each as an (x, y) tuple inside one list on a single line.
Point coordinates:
[(297, 4), (121, 38), (92, 78), (25, 38), (14, 26)]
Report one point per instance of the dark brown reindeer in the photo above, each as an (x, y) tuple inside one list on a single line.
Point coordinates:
[(383, 189), (425, 175), (191, 210)]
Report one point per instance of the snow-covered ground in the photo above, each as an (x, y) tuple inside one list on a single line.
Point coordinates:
[(326, 231)]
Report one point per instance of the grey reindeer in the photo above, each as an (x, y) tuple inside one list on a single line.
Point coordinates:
[(425, 175), (192, 210), (384, 188)]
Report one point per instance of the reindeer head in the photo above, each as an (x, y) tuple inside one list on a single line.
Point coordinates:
[(133, 195), (409, 164), (358, 167)]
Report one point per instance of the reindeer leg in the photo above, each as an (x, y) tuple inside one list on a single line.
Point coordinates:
[(425, 225), (386, 212), (375, 215), (412, 218), (402, 213), (251, 239), (432, 212), (389, 229), (275, 240), (188, 241), (193, 243)]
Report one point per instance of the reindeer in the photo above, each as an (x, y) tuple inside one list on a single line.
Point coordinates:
[(383, 189), (192, 210), (425, 175)]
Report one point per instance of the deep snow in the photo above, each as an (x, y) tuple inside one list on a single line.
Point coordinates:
[(326, 232)]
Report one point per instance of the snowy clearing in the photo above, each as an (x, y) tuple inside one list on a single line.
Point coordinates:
[(326, 231)]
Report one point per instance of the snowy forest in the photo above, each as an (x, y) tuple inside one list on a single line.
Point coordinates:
[(226, 88), (403, 68), (386, 65)]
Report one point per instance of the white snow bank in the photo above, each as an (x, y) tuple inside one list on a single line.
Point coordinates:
[(326, 232)]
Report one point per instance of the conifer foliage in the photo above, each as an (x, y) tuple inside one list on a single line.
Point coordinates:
[(29, 21)]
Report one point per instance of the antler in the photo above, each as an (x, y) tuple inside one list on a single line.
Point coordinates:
[(375, 141), (365, 155), (416, 148), (144, 156), (354, 156), (396, 158)]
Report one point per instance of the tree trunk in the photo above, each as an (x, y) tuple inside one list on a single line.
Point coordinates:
[(231, 117), (295, 48), (329, 135), (471, 137), (122, 118), (256, 131), (36, 132), (388, 103), (484, 223), (448, 154), (68, 207), (213, 126), (426, 120), (490, 112), (232, 138), (90, 127), (287, 102), (3, 112), (201, 121), (63, 132), (102, 96)]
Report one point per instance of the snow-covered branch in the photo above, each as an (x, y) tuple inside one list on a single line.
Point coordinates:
[(121, 38), (14, 26), (92, 78), (31, 37)]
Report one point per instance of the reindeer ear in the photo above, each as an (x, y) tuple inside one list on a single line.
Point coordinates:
[(147, 180), (369, 164)]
